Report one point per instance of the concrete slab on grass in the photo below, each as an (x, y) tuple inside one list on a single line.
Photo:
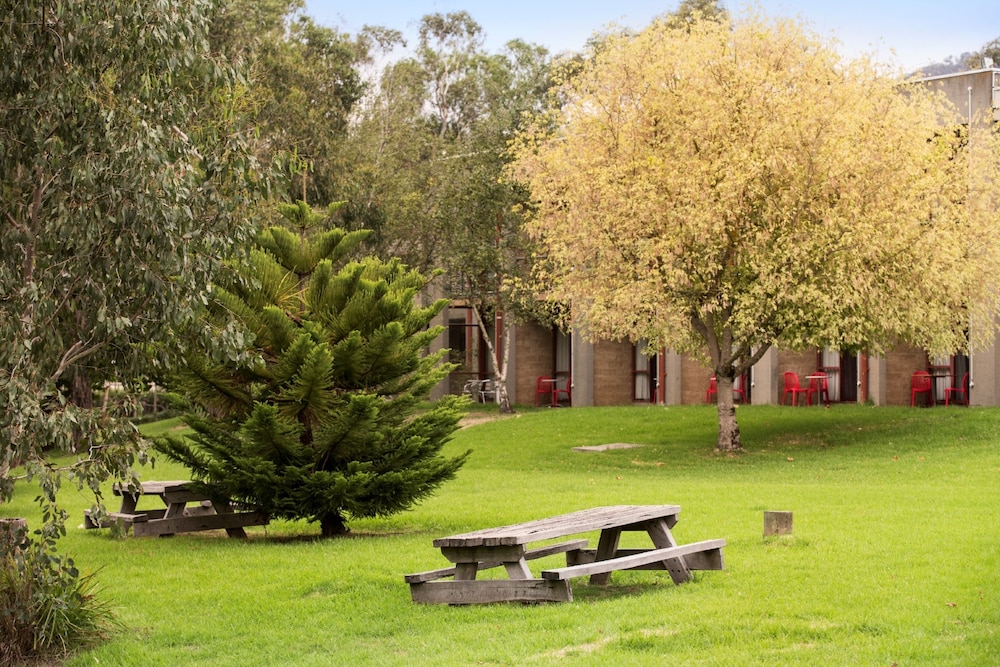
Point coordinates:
[(604, 448)]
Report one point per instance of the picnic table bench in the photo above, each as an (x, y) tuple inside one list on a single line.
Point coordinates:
[(177, 515), (507, 546)]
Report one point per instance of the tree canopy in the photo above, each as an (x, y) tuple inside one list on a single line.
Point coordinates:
[(725, 187), (125, 166), (428, 154)]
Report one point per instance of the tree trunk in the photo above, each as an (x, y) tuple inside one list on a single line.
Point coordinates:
[(81, 394), (332, 525), (729, 429), (502, 396), (499, 370)]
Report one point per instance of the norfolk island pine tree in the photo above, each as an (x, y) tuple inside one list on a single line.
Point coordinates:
[(319, 419)]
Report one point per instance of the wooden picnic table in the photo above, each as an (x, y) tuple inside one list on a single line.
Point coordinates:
[(183, 511), (507, 546)]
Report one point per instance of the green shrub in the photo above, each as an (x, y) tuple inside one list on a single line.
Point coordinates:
[(46, 607)]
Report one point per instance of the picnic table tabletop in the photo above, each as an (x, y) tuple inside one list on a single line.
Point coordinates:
[(583, 521)]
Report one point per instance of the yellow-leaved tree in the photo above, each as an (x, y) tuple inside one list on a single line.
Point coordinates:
[(727, 186)]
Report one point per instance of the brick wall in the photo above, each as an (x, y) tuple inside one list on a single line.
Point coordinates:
[(899, 367), (535, 357), (613, 377), (694, 381)]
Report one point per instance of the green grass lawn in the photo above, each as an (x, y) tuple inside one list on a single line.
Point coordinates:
[(894, 559)]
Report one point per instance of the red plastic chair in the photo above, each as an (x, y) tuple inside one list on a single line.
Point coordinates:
[(713, 390), (963, 389), (920, 383), (544, 385), (738, 390), (563, 391), (792, 387), (819, 384)]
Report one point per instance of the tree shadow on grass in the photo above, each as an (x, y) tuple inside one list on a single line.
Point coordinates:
[(299, 538), (584, 592)]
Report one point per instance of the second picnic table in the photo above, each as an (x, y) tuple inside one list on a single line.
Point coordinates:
[(507, 546), (177, 515)]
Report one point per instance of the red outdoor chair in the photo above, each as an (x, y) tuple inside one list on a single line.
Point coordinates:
[(713, 390), (792, 387), (920, 383), (563, 391), (738, 390), (963, 389), (819, 384), (543, 385)]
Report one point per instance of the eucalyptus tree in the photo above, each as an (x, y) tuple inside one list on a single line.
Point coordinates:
[(126, 167), (431, 149), (306, 81), (488, 254), (990, 50), (406, 135)]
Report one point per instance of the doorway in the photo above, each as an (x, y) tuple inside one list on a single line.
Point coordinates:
[(842, 371)]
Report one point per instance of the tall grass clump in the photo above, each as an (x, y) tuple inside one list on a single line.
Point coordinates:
[(47, 608)]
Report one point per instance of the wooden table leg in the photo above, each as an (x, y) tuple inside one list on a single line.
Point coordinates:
[(659, 532), (466, 571), (129, 502), (607, 546), (224, 507), (517, 569), (174, 511)]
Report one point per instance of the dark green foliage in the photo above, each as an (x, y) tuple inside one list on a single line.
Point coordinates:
[(306, 82), (320, 419)]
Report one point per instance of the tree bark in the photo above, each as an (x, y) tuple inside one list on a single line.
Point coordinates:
[(81, 393), (502, 396), (729, 429), (332, 525), (499, 370)]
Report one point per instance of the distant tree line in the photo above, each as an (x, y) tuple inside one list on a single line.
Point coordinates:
[(969, 60)]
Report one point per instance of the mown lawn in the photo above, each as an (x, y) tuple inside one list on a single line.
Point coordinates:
[(894, 559)]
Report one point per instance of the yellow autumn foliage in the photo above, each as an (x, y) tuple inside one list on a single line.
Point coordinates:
[(730, 186)]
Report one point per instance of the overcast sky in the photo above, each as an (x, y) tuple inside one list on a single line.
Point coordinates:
[(919, 31)]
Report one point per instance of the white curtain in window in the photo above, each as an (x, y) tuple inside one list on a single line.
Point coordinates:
[(641, 372), (831, 364)]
